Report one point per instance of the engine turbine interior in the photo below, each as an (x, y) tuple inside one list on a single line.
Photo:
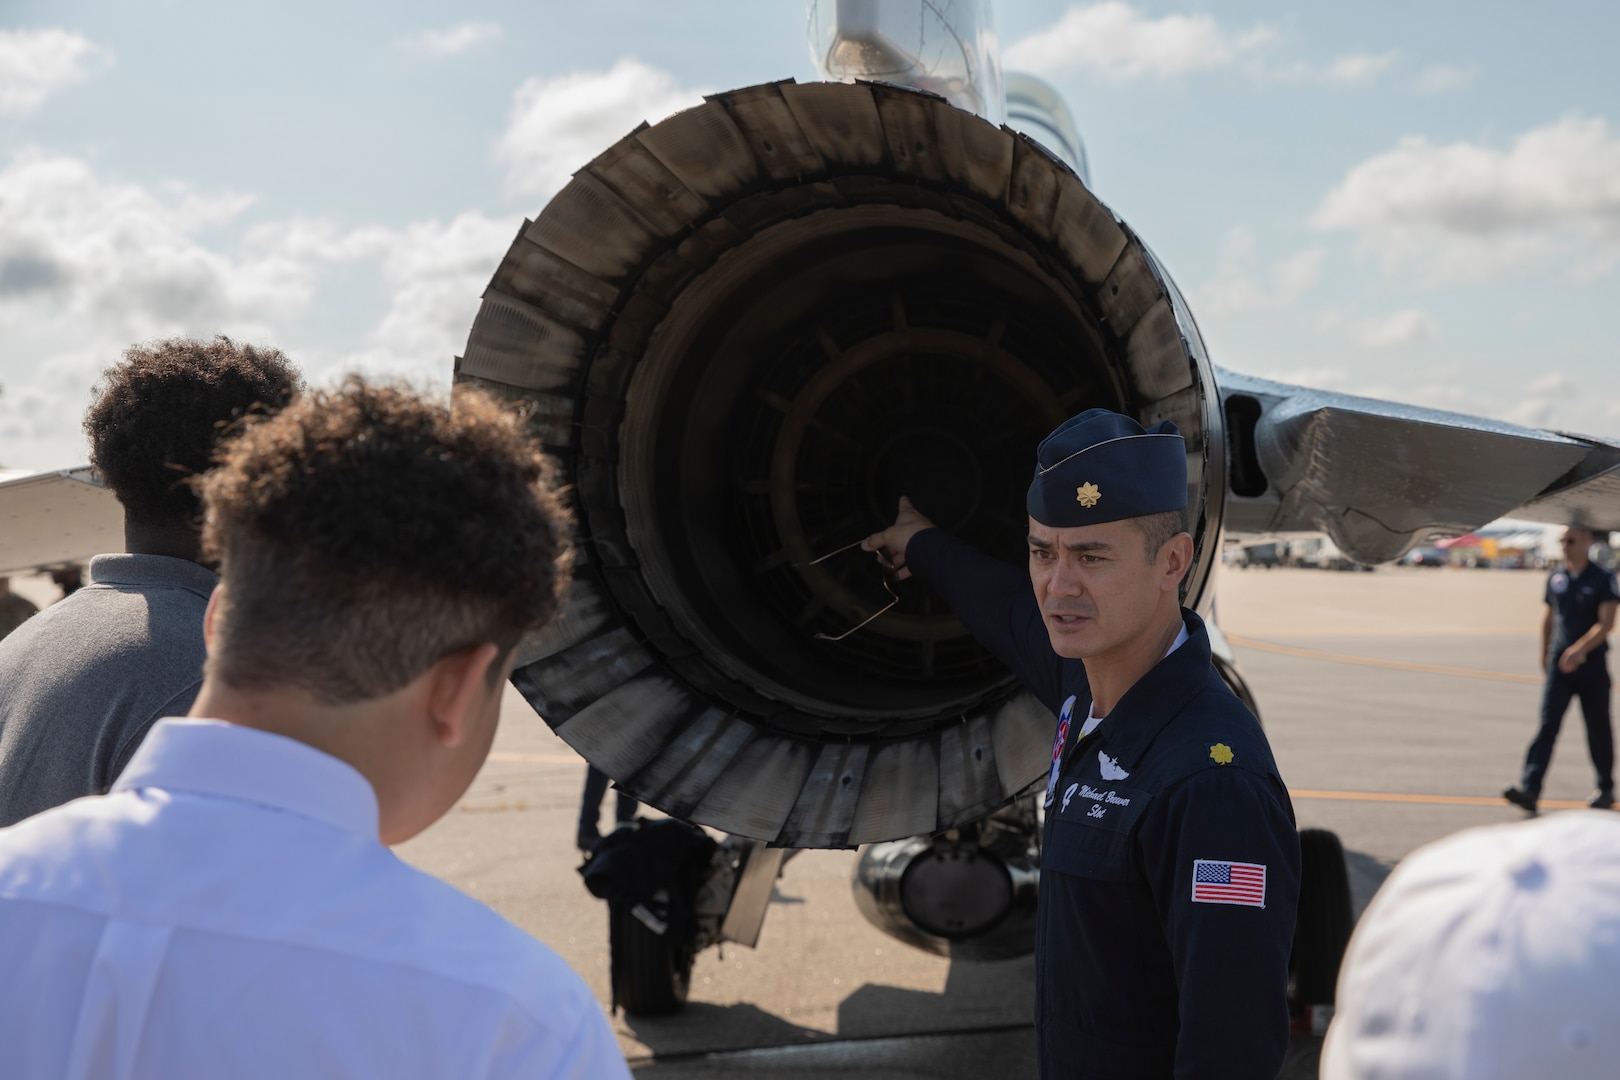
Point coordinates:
[(745, 332)]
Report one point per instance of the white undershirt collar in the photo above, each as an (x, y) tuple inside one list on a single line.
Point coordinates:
[(1092, 719)]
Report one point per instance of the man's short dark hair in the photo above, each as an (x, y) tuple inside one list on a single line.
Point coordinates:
[(365, 533), (1158, 528), (155, 419)]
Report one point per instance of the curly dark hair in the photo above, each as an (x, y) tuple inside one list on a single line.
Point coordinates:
[(365, 533), (154, 419)]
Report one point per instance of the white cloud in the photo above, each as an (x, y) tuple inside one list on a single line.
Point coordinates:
[(1541, 400), (121, 257), (435, 273), (1442, 79), (1397, 330), (36, 63), (89, 265), (1239, 285), (1554, 383), (1115, 40), (558, 125), (1349, 70), (1463, 211), (452, 40), (1358, 69), (1240, 244), (1297, 273)]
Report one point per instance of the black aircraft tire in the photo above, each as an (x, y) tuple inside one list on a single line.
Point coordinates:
[(652, 973), (1324, 922)]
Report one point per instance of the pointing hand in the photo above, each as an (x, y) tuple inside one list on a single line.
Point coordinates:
[(890, 544)]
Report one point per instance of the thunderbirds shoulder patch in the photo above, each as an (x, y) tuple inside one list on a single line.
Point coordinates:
[(1058, 739)]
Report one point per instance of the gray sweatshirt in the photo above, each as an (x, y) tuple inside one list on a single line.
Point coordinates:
[(83, 681)]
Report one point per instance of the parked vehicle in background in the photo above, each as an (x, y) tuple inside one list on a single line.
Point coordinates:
[(1269, 554), (1424, 556), (1323, 554)]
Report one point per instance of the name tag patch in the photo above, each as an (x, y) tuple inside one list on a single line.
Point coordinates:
[(1218, 882), (1089, 829), (1082, 802)]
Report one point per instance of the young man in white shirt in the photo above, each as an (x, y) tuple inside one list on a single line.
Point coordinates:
[(230, 908)]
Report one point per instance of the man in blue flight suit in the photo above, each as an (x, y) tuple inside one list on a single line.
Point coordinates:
[(1575, 629), (1170, 862)]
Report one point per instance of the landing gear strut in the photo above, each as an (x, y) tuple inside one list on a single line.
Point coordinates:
[(672, 892)]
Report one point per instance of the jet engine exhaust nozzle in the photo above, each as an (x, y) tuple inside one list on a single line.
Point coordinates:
[(744, 332)]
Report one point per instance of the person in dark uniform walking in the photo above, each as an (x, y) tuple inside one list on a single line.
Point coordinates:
[(1575, 629), (1170, 861)]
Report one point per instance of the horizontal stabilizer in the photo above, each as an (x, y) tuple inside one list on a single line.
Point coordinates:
[(51, 518), (1588, 494), (1380, 478)]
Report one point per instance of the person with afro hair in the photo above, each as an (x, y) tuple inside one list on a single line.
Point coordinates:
[(83, 681), (231, 908)]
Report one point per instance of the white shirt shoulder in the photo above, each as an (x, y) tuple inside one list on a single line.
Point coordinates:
[(251, 939)]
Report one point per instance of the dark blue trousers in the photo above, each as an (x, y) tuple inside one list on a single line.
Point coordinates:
[(590, 811), (1590, 683)]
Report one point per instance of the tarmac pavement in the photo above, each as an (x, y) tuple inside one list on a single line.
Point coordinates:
[(1398, 703)]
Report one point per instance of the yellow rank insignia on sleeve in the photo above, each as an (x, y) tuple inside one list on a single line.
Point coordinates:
[(1087, 494), (1220, 754)]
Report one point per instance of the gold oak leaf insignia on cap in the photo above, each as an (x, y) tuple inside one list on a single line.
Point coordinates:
[(1220, 754), (1087, 494)]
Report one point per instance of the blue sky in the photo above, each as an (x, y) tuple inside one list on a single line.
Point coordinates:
[(1418, 201)]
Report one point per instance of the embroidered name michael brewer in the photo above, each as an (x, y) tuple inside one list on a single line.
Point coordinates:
[(1216, 882)]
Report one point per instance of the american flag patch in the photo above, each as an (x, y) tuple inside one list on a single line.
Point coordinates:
[(1216, 882)]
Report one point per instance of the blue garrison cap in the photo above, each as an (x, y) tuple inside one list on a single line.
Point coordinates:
[(1103, 466)]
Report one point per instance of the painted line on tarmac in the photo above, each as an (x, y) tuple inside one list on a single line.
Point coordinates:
[(1439, 800), (1368, 661), (537, 759), (816, 1044)]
